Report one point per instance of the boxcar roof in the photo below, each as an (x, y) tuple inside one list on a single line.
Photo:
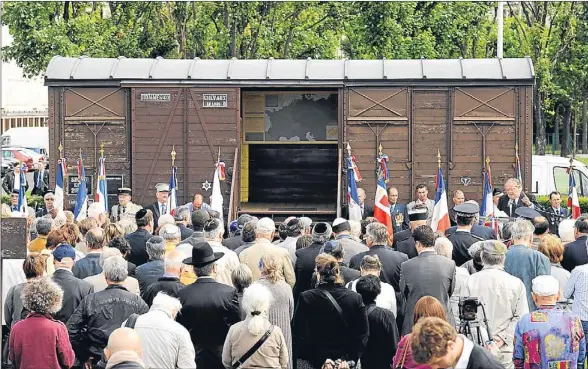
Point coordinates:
[(288, 72)]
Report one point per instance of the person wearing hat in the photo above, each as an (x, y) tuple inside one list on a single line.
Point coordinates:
[(463, 238), (342, 232), (537, 331), (209, 308), (49, 199), (125, 206), (160, 207), (235, 241), (403, 241), (504, 298), (482, 231), (74, 289), (138, 239)]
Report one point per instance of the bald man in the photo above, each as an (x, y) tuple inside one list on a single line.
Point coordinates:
[(198, 203), (124, 350), (366, 210)]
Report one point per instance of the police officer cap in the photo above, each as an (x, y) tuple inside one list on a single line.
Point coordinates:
[(417, 214), (497, 192), (545, 285), (124, 191), (527, 213), (15, 191), (162, 187), (467, 210)]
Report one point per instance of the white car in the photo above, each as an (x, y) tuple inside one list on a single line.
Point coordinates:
[(550, 173)]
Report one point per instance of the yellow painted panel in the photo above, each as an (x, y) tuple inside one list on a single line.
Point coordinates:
[(244, 173)]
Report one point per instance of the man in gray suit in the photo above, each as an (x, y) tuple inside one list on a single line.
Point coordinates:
[(429, 274)]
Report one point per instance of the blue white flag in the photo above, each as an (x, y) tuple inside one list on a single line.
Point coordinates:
[(101, 196), (172, 199), (352, 196), (22, 195), (59, 181), (81, 210)]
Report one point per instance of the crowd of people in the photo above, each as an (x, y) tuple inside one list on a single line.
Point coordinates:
[(126, 291)]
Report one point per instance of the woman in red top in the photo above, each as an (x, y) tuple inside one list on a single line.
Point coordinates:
[(39, 341), (426, 306)]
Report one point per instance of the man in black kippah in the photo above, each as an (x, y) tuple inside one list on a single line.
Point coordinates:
[(403, 241), (138, 239), (463, 238), (235, 241)]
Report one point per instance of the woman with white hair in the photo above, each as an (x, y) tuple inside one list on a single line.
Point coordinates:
[(165, 343), (39, 338), (273, 351)]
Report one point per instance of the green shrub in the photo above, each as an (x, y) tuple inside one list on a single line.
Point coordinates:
[(33, 201), (544, 201)]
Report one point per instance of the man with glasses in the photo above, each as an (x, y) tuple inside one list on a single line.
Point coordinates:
[(49, 200)]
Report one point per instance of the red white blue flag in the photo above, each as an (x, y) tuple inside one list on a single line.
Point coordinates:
[(81, 209), (101, 196), (573, 201), (382, 206), (59, 181), (517, 164), (352, 196), (172, 200), (440, 221)]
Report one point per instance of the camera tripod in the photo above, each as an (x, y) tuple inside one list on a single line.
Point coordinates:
[(474, 331)]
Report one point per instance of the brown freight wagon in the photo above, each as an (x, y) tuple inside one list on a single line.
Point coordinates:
[(282, 126)]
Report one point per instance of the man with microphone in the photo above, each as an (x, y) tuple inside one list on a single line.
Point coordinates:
[(513, 198)]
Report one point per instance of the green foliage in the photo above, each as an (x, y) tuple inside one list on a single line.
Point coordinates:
[(33, 201), (544, 201)]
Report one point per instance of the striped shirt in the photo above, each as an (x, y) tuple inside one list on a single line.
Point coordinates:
[(577, 288)]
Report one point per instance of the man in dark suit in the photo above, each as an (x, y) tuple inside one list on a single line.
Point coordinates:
[(209, 308), (463, 238), (40, 180), (449, 350), (366, 210), (376, 240), (74, 289), (159, 207), (429, 274), (236, 241), (513, 198), (575, 252), (458, 198), (305, 259), (138, 239), (49, 199), (555, 213), (485, 233), (403, 241), (398, 212)]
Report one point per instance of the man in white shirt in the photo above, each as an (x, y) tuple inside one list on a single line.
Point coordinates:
[(422, 201), (213, 234)]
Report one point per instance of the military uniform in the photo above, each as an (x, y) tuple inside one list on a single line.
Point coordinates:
[(462, 239), (119, 212)]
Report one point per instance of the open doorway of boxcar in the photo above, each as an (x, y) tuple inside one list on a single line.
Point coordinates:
[(289, 153)]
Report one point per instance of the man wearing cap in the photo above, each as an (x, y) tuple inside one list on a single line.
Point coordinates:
[(159, 207), (49, 199), (138, 239), (513, 198), (458, 199), (341, 230), (403, 241), (235, 241), (463, 238), (485, 233), (125, 206), (74, 289), (548, 337), (504, 298), (422, 201), (398, 211), (209, 308)]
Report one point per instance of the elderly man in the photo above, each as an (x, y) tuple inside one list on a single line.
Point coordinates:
[(403, 241), (159, 207), (504, 298), (165, 343), (444, 247), (248, 236), (90, 265), (523, 262), (139, 238), (341, 230), (513, 198), (209, 308), (398, 211), (376, 240), (183, 218), (463, 238), (74, 289), (265, 230), (213, 234), (96, 211), (306, 225), (169, 283), (429, 274), (49, 200), (422, 201), (124, 350), (125, 207), (43, 226), (102, 312), (575, 253), (172, 236), (98, 281), (40, 180), (235, 241), (566, 231), (458, 199), (148, 273), (541, 225), (537, 331), (14, 201)]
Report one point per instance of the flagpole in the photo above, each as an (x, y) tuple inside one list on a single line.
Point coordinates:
[(439, 158), (64, 169), (173, 155)]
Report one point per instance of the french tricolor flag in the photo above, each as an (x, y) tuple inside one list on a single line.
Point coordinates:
[(352, 197), (172, 200), (59, 180), (101, 196), (81, 209), (440, 221), (573, 202), (382, 205)]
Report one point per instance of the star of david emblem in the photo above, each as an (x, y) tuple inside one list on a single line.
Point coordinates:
[(206, 185)]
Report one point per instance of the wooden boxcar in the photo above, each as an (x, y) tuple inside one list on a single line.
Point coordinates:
[(282, 126)]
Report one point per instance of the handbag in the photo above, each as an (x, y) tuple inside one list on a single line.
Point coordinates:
[(237, 364), (400, 364)]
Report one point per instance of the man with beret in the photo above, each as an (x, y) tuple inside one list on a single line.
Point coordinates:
[(235, 241), (125, 206), (403, 241), (341, 230), (503, 296), (138, 239), (209, 308), (398, 212), (159, 207), (463, 238), (538, 332)]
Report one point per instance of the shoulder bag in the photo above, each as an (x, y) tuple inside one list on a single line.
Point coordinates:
[(400, 364), (237, 364), (335, 304), (132, 321)]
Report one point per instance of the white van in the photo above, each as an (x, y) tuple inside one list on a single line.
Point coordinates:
[(550, 174), (32, 138)]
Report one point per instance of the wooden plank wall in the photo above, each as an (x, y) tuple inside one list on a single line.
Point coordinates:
[(194, 131)]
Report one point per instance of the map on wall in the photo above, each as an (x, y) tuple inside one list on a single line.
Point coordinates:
[(291, 117)]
